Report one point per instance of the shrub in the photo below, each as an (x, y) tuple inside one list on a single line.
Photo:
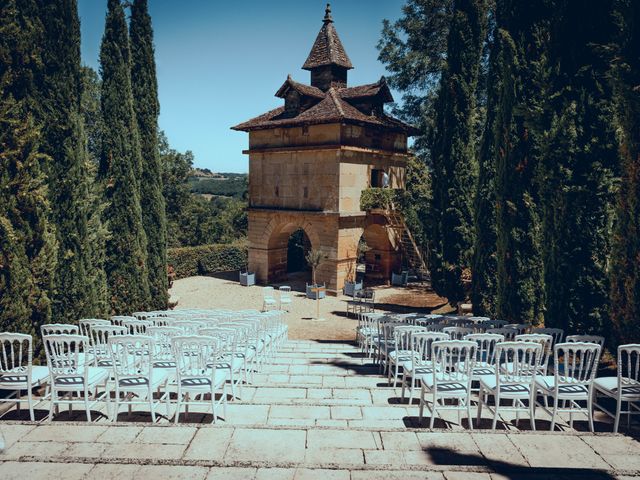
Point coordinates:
[(207, 259), (381, 198)]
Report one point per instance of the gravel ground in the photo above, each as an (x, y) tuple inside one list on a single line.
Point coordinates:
[(225, 292)]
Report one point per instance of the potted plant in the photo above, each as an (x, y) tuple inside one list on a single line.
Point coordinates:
[(247, 278), (351, 285), (314, 259)]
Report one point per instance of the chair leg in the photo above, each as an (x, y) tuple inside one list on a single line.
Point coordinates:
[(152, 405), (86, 404), (494, 424), (433, 411), (413, 386), (590, 412), (178, 402), (469, 417), (30, 402), (404, 384), (422, 400), (532, 411), (213, 405), (553, 415), (480, 401), (54, 398), (616, 422)]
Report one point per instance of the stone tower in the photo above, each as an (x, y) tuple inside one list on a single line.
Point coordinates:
[(310, 160)]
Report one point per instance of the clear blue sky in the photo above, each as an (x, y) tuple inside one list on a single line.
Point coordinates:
[(220, 63)]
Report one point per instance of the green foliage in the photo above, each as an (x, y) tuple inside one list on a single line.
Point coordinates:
[(578, 168), (520, 289), (27, 237), (229, 187), (147, 108), (121, 170), (78, 281), (416, 201), (625, 258), (453, 152), (91, 113), (383, 198), (207, 259)]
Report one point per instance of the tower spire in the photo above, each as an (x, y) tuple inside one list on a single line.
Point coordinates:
[(327, 15)]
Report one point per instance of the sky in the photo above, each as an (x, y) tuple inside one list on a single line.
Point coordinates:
[(220, 63)]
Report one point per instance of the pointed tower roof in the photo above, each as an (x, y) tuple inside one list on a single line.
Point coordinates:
[(327, 49)]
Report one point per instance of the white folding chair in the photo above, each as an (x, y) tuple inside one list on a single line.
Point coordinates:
[(485, 363), (59, 329), (137, 327), (597, 339), (575, 367), (514, 379), (285, 298), (118, 319), (508, 333), (68, 375), (196, 359), (402, 350), (453, 362), (135, 376), (457, 333), (421, 363), (546, 341), (99, 336), (17, 371), (228, 360), (625, 387), (163, 356), (556, 333), (268, 299), (522, 328)]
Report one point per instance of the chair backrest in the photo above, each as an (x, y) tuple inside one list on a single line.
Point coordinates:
[(63, 354), (189, 327), (118, 319), (494, 323), (268, 292), (585, 339), (421, 344), (227, 338), (460, 322), (556, 333), (522, 328), (99, 335), (546, 342), (517, 362), (144, 315), (628, 365), (453, 360), (132, 356), (16, 353), (137, 327), (196, 356), (508, 332), (86, 323), (436, 327), (162, 321), (457, 333), (576, 362), (402, 336), (59, 329), (486, 351), (162, 341)]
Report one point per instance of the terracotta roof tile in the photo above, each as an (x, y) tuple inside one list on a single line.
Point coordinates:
[(327, 49), (300, 88)]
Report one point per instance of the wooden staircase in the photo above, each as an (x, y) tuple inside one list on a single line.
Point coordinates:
[(410, 249)]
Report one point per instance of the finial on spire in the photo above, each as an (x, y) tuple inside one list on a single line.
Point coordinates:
[(327, 14)]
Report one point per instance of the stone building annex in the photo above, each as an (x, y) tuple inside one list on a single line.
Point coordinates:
[(309, 162)]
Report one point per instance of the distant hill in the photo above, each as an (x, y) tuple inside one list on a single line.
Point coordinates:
[(205, 182)]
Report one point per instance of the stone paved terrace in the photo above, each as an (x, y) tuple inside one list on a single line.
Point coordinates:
[(318, 412)]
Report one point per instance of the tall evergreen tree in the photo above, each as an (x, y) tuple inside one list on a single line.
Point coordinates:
[(120, 164), (520, 37), (27, 238), (78, 282), (483, 266), (625, 261), (453, 152), (578, 168), (147, 107)]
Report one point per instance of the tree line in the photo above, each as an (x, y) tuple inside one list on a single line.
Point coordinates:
[(82, 212), (528, 185)]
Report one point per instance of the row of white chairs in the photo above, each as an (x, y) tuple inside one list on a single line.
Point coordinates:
[(421, 355), (136, 357)]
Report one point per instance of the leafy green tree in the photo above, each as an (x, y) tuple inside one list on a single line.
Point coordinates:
[(453, 151), (483, 265), (147, 107), (625, 259), (91, 113), (120, 170), (417, 200), (521, 46), (78, 282), (27, 237), (578, 168)]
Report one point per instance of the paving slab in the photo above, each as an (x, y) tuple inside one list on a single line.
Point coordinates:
[(321, 474), (209, 444), (180, 435), (119, 434), (48, 471), (285, 411), (114, 471), (143, 451), (395, 475), (552, 450), (339, 457), (13, 433), (231, 473), (498, 448), (70, 433), (263, 445), (621, 452), (341, 439)]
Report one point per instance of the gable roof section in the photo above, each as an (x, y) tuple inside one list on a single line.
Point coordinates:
[(327, 49)]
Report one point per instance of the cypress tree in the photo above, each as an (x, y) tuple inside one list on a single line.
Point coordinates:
[(120, 164), (578, 169), (519, 288), (453, 152), (483, 267), (147, 107), (78, 283), (625, 261), (27, 238)]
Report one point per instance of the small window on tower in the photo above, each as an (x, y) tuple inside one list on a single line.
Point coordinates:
[(306, 192), (305, 130), (277, 191)]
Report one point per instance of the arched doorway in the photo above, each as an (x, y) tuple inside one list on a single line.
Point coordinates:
[(297, 249), (380, 255)]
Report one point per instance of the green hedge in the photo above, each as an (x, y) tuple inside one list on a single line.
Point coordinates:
[(207, 259), (380, 198)]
